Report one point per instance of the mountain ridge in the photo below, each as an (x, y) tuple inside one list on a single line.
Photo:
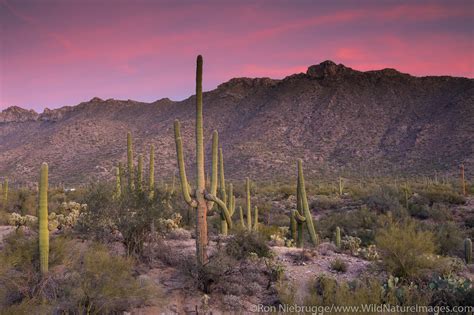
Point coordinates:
[(337, 119)]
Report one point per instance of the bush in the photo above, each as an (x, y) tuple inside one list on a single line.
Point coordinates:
[(359, 223), (442, 193), (82, 277), (384, 199), (405, 251), (449, 238), (339, 265), (243, 243)]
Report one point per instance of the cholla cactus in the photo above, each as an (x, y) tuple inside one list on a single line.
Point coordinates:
[(18, 220), (172, 223), (352, 244)]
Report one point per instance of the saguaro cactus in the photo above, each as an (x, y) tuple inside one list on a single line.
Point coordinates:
[(229, 199), (131, 184), (151, 171), (302, 215), (255, 219), (118, 184), (338, 237), (463, 181), (468, 250), (200, 198), (249, 207), (241, 213), (43, 219), (341, 186), (5, 193), (140, 173)]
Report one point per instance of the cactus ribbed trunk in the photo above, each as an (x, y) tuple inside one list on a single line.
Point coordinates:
[(118, 185), (255, 219), (151, 171), (468, 250), (249, 207), (201, 214), (5, 193), (43, 219), (241, 215), (140, 174), (131, 185)]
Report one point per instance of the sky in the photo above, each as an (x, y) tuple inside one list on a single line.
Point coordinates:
[(56, 53)]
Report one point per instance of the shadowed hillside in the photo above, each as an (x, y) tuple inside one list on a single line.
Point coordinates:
[(336, 119)]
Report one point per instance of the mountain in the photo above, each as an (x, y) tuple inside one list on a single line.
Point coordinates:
[(339, 120)]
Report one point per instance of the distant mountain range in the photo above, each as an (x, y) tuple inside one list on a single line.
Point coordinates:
[(338, 120)]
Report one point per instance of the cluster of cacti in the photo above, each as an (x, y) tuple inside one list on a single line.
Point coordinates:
[(135, 176), (249, 226), (302, 216), (43, 219), (18, 220), (228, 199), (468, 250), (200, 199)]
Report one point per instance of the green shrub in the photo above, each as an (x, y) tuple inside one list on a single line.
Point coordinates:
[(326, 202), (360, 223), (442, 193), (449, 238), (339, 265), (243, 243), (82, 278), (406, 252), (384, 199)]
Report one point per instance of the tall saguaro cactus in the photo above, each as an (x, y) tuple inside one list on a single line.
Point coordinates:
[(140, 173), (249, 207), (43, 219), (463, 181), (200, 199), (302, 215), (5, 193), (131, 184), (228, 199), (151, 170)]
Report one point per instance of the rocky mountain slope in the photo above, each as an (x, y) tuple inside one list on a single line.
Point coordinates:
[(339, 120)]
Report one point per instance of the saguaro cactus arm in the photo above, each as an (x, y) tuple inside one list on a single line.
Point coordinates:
[(181, 166), (214, 175), (249, 208), (223, 207)]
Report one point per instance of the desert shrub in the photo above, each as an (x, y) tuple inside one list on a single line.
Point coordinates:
[(441, 193), (339, 265), (82, 277), (102, 283), (405, 251), (360, 223), (243, 243), (385, 198), (326, 202), (133, 216), (327, 291), (449, 238)]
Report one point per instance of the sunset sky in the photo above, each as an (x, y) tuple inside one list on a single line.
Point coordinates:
[(56, 53)]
